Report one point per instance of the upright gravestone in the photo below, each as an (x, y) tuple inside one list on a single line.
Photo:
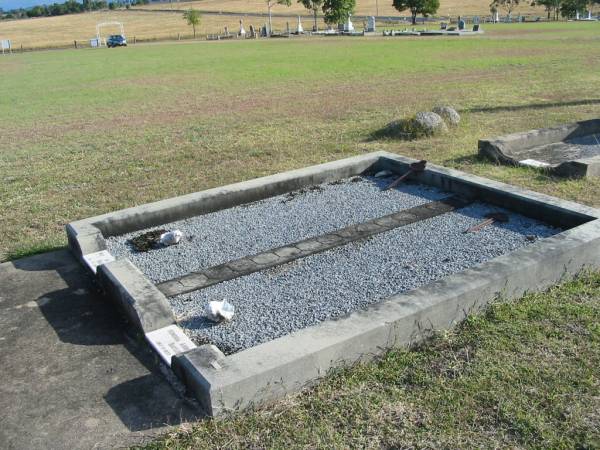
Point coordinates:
[(371, 24), (242, 30), (348, 26), (252, 32), (226, 31), (6, 45), (263, 31), (299, 28), (461, 24), (287, 28)]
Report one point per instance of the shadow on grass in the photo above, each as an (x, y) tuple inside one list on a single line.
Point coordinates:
[(474, 158), (402, 130), (31, 250), (508, 108)]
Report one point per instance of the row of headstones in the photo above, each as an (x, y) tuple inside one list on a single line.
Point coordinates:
[(252, 32)]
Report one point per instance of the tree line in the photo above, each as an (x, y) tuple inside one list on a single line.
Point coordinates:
[(68, 7), (554, 8)]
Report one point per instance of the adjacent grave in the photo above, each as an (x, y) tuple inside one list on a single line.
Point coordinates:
[(325, 266), (570, 150)]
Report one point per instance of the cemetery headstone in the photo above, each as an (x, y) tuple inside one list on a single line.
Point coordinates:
[(242, 30), (299, 28), (348, 26), (461, 24), (371, 24), (6, 45)]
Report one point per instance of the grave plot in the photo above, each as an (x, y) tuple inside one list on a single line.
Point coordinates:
[(570, 150), (324, 266)]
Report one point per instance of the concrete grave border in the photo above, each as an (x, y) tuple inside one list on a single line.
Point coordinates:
[(286, 364), (502, 149)]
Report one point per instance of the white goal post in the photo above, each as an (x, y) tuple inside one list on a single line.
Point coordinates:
[(99, 27)]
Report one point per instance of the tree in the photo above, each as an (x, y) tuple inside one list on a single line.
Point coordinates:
[(338, 11), (192, 16), (270, 4), (314, 6), (552, 7), (508, 5), (423, 7), (569, 8)]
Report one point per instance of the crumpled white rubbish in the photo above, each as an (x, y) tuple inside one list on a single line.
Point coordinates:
[(383, 174), (170, 237), (220, 311)]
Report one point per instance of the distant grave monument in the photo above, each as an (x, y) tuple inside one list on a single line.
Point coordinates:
[(299, 28), (349, 26), (6, 46), (371, 24), (242, 32)]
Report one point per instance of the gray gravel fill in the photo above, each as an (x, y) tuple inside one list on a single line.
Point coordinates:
[(277, 301), (230, 234)]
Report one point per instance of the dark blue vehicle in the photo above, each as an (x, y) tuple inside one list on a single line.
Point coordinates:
[(116, 40)]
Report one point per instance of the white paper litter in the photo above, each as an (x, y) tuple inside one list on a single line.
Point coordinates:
[(171, 237), (220, 311)]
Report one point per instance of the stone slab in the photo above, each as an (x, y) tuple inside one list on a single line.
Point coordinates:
[(73, 376)]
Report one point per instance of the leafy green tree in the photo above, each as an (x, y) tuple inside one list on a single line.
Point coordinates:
[(569, 8), (270, 4), (338, 11), (423, 7), (192, 16), (314, 6)]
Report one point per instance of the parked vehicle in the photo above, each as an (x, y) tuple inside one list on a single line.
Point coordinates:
[(116, 40)]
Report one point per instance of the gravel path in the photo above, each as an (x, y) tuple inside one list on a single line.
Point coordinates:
[(230, 234), (277, 301)]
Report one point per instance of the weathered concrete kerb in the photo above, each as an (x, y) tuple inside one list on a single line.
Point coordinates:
[(570, 150), (264, 372)]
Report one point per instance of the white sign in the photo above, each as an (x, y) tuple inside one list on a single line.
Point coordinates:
[(93, 260), (534, 163), (169, 341)]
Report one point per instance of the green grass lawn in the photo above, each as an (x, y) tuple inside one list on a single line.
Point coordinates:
[(91, 131)]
